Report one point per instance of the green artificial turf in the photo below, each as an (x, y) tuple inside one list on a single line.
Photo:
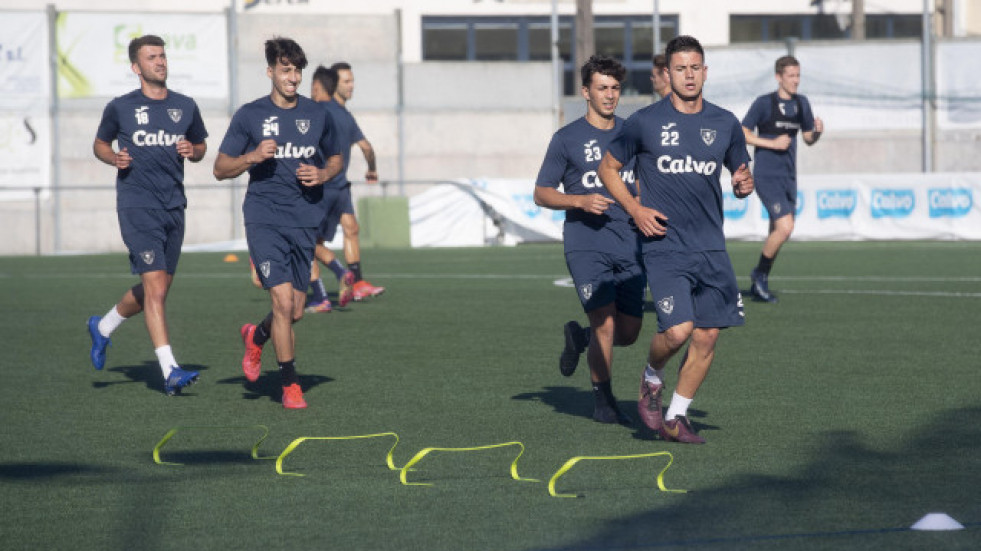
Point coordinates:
[(835, 419)]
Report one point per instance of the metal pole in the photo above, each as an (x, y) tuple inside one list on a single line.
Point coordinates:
[(231, 14), (400, 101), (556, 69), (656, 22), (53, 110), (37, 221), (927, 92)]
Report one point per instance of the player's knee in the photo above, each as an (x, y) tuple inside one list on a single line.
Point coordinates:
[(705, 338), (677, 336)]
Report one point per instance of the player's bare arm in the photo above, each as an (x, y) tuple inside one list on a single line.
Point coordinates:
[(193, 152), (371, 176), (104, 152), (742, 182), (779, 143), (649, 221), (811, 138), (551, 198), (227, 166)]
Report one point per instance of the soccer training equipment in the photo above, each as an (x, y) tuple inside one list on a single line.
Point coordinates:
[(179, 379), (346, 292), (293, 397), (679, 430), (322, 306), (363, 290), (252, 360), (99, 343), (575, 344), (649, 404), (760, 288)]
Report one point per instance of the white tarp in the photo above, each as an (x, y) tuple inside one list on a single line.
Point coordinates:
[(25, 124), (94, 58), (836, 207)]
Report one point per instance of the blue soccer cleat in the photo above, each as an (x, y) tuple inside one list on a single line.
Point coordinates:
[(99, 343), (178, 380)]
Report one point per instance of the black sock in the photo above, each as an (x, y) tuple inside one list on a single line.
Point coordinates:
[(263, 331), (764, 265), (287, 372), (319, 293), (603, 394), (355, 267)]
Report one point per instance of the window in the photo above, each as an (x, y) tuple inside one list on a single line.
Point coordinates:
[(772, 28), (529, 38)]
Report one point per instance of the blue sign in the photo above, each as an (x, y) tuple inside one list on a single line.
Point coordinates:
[(892, 203), (949, 202), (732, 207), (836, 203)]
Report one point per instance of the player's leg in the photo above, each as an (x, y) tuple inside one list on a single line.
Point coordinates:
[(317, 300), (779, 197), (352, 247)]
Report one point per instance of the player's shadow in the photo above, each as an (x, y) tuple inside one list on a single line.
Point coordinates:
[(270, 385), (149, 374)]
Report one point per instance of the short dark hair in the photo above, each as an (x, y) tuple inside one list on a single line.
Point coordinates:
[(660, 61), (341, 66), (683, 43), (139, 42), (282, 49), (784, 62), (327, 78), (604, 66)]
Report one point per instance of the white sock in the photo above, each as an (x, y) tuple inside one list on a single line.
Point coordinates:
[(166, 358), (655, 376), (679, 406), (110, 322)]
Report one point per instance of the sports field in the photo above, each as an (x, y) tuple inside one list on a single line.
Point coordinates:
[(835, 419)]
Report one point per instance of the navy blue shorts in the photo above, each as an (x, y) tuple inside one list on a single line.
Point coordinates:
[(602, 278), (338, 203), (153, 237), (777, 193), (699, 287), (281, 254)]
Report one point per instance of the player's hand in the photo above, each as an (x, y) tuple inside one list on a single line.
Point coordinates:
[(594, 203), (185, 149), (371, 177), (309, 175), (742, 182), (782, 142), (122, 159), (818, 125), (649, 221), (265, 150)]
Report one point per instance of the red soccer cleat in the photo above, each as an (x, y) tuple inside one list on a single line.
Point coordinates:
[(252, 360), (346, 292), (363, 290), (293, 397)]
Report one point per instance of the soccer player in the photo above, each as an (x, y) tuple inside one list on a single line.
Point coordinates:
[(337, 194), (659, 76), (351, 135), (285, 142), (155, 130), (680, 145), (778, 117), (601, 249)]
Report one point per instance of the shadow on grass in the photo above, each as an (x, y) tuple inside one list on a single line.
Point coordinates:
[(149, 374), (36, 471), (848, 496), (269, 385)]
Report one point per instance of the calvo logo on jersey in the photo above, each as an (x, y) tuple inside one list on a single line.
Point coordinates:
[(668, 165), (949, 202), (290, 151), (708, 135), (175, 114), (836, 203), (303, 125), (144, 138), (733, 208), (892, 203), (666, 305)]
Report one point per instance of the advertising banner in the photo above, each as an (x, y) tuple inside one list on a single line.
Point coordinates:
[(25, 124), (94, 61)]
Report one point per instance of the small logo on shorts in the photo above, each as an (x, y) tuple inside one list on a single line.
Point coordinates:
[(586, 291), (303, 125), (264, 268), (739, 305), (147, 257), (666, 305), (175, 114), (776, 208)]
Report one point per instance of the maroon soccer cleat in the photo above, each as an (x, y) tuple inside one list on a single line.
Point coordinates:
[(679, 430), (649, 404)]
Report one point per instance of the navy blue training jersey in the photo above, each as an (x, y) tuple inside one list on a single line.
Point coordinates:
[(770, 115), (679, 163), (149, 130), (572, 158), (303, 134), (348, 134)]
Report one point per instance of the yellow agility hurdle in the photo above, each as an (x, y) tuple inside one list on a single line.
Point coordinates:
[(422, 453), (293, 445), (173, 432), (570, 463)]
